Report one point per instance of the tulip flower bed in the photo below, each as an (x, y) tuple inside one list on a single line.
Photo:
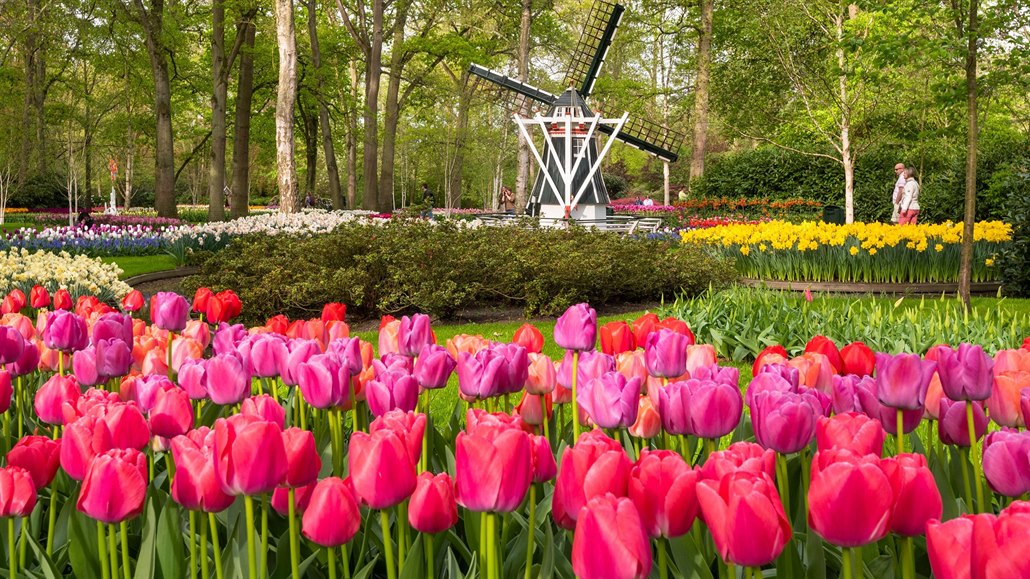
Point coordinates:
[(694, 213), (859, 252), (160, 440)]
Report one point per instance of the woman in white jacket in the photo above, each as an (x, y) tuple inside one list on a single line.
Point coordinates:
[(909, 199)]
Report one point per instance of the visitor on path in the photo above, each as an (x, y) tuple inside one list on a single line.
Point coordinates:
[(909, 209), (427, 200), (507, 200), (899, 190)]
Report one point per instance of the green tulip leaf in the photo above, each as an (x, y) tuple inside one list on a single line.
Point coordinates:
[(414, 565), (46, 565), (171, 555), (82, 543), (145, 562), (689, 558)]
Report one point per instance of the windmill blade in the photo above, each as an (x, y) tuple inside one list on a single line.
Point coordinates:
[(587, 60), (649, 137), (524, 89)]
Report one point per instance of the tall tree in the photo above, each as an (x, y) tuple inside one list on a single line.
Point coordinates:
[(286, 167), (332, 170), (151, 17), (522, 163), (239, 201), (700, 116), (970, 33)]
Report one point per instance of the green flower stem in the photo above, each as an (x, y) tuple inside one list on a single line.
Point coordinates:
[(384, 522), (205, 571), (105, 568), (901, 432), (346, 562), (19, 395), (60, 362), (21, 542), (484, 571), (663, 561), (332, 562), (263, 562), (112, 549), (430, 556), (214, 544), (981, 506), (52, 522), (531, 527), (709, 447), (423, 460), (731, 570), (908, 562), (302, 409), (491, 545), (402, 547), (575, 399), (355, 426), (294, 539), (845, 566), (967, 485), (193, 545), (171, 339), (124, 532), (248, 505), (547, 421), (12, 556)]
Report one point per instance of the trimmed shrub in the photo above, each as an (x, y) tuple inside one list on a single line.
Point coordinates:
[(440, 268), (1015, 262)]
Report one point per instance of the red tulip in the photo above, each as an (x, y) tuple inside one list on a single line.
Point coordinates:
[(133, 301), (52, 395), (826, 347), (62, 299), (999, 544), (201, 298), (916, 498), (770, 355), (953, 424), (39, 455), (740, 456), (303, 462), (250, 458), (39, 297), (576, 329), (381, 468), (1006, 462), (230, 303), (610, 541), (965, 373), (433, 508), (17, 492), (334, 311), (745, 516), (493, 470), (195, 485), (643, 326), (679, 326), (857, 359), (664, 489), (332, 517), (172, 413), (592, 467), (544, 466), (529, 337), (13, 302), (616, 338), (851, 430), (301, 498), (950, 545), (411, 427), (115, 486), (850, 499), (665, 354)]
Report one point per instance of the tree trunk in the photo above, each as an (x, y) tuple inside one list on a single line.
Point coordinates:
[(462, 121), (164, 158), (216, 175), (239, 201), (392, 104), (704, 65), (522, 164), (286, 168), (373, 71), (965, 270), (352, 140), (309, 123), (846, 157), (323, 111), (130, 152)]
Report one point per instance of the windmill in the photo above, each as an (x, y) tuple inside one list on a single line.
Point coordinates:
[(569, 183)]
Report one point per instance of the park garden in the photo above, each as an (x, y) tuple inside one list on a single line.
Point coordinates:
[(364, 290)]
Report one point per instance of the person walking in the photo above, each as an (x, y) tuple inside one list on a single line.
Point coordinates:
[(899, 190), (427, 200), (909, 207)]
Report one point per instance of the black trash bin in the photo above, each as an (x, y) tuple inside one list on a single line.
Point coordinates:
[(833, 214)]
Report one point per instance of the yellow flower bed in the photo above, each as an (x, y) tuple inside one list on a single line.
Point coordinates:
[(868, 252), (80, 275), (15, 210)]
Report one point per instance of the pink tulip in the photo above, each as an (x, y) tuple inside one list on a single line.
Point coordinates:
[(65, 332), (745, 516), (770, 381), (192, 377), (112, 326), (740, 456), (264, 407), (301, 498), (965, 373), (595, 465), (332, 517), (172, 413), (1006, 462), (576, 329), (195, 485), (411, 427), (493, 470), (250, 458), (434, 367), (663, 487), (611, 400), (300, 352), (665, 354), (227, 381), (381, 468), (38, 455), (544, 466), (850, 498), (413, 334), (784, 421), (727, 375), (540, 376), (302, 460), (649, 422), (392, 390), (52, 395), (115, 486), (715, 408), (1004, 403), (853, 431), (916, 498), (433, 508), (169, 311), (17, 492), (610, 540), (6, 391), (265, 355), (902, 380), (950, 545)]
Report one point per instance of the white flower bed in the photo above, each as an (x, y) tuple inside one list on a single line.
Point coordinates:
[(304, 223), (80, 275)]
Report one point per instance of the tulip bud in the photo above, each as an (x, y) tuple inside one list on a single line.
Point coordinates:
[(595, 465), (434, 367), (17, 492), (664, 489), (850, 499), (1006, 462), (39, 297), (169, 311), (332, 517), (530, 338), (381, 468), (576, 329), (250, 458), (965, 373), (746, 518), (610, 540), (665, 354), (39, 455), (916, 498), (432, 508), (115, 486), (616, 338)]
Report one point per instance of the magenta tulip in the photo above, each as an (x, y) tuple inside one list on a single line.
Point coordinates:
[(434, 367), (332, 517), (611, 400), (172, 413), (433, 508), (11, 345), (953, 423), (227, 381), (1006, 462), (665, 353), (674, 403), (965, 373), (413, 334), (481, 376), (902, 380), (715, 408), (381, 468), (323, 382), (113, 326), (493, 470), (610, 540), (65, 331), (250, 458), (392, 390), (300, 351), (115, 486), (576, 329), (784, 421), (169, 311)]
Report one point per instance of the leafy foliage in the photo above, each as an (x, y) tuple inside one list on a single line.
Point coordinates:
[(1015, 262), (440, 268)]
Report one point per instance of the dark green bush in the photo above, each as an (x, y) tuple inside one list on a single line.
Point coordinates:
[(1015, 262), (441, 268)]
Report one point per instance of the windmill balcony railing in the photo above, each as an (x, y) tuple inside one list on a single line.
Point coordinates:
[(626, 224)]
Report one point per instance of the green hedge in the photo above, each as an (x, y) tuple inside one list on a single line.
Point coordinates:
[(440, 268), (773, 173), (1015, 262)]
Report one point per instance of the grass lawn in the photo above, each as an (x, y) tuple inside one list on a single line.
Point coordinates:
[(140, 264), (9, 227)]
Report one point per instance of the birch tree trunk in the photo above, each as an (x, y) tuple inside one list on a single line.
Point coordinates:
[(286, 168), (522, 164), (216, 176), (701, 108)]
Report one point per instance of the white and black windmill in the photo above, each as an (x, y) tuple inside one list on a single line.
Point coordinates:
[(569, 183)]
